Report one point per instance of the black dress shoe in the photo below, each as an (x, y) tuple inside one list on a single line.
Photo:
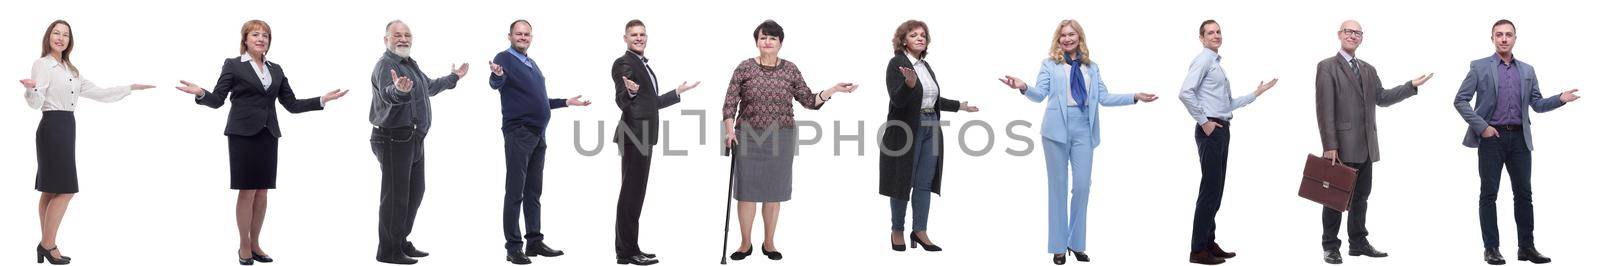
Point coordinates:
[(917, 241), (400, 260), (1492, 256), (1059, 259), (517, 258), (1216, 251), (1532, 255), (1367, 250), (1332, 257), (772, 254), (637, 260), (411, 251), (260, 258), (648, 255), (739, 255), (1204, 257), (1079, 255), (540, 249), (44, 255)]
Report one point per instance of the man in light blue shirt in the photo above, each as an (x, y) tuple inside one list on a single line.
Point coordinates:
[(1210, 101)]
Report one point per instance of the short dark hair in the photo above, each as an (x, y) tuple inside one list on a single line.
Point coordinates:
[(1504, 22), (632, 23), (1207, 22), (770, 28), (514, 25)]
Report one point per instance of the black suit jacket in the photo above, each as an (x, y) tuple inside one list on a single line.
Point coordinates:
[(905, 106), (253, 106), (639, 112)]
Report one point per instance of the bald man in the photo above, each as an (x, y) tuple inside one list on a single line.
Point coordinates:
[(1348, 94)]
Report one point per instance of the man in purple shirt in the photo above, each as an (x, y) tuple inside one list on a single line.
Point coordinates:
[(1497, 124)]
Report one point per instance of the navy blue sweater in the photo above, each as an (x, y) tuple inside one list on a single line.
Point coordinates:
[(523, 100)]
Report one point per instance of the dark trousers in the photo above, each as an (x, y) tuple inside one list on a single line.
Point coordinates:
[(1509, 150), (399, 153), (1358, 212), (1213, 174), (630, 201), (525, 146)]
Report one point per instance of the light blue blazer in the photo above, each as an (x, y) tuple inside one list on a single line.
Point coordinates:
[(1483, 83), (1053, 86)]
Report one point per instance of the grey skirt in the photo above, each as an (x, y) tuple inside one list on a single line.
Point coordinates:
[(765, 170)]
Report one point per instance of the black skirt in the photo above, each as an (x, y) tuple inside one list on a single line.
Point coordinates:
[(58, 166), (253, 160)]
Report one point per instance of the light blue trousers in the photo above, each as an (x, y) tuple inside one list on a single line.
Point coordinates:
[(1067, 216)]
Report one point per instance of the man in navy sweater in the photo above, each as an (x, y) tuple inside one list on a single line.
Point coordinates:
[(525, 110)]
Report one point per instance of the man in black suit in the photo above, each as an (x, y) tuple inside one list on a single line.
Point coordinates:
[(636, 134)]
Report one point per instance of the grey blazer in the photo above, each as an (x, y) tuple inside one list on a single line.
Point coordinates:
[(1483, 83), (1346, 105)]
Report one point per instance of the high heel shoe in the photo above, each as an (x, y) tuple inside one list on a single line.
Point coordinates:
[(260, 258), (897, 247), (44, 255), (738, 255), (915, 241), (1079, 255), (1059, 259), (771, 255)]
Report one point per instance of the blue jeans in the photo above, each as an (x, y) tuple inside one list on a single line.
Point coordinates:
[(1067, 220), (926, 161)]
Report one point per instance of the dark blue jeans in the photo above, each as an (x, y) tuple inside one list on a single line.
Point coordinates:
[(525, 146), (1510, 151), (926, 162)]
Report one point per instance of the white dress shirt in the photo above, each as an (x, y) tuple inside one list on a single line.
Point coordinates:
[(58, 89), (261, 72), (930, 89)]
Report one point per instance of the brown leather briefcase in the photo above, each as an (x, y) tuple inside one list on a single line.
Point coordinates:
[(1328, 183)]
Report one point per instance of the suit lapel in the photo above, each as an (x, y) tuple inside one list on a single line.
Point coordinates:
[(1492, 70)]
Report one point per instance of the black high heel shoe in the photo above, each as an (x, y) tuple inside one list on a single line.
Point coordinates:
[(1079, 255), (44, 255), (737, 255), (771, 255), (915, 241), (260, 258), (900, 247), (1059, 259)]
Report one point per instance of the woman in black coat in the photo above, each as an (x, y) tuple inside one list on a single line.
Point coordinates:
[(910, 161)]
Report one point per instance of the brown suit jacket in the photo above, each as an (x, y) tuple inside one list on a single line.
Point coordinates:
[(1346, 105)]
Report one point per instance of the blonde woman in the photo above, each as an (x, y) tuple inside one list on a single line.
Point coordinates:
[(1071, 83), (54, 88)]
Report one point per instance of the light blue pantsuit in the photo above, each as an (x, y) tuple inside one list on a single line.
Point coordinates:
[(1071, 134)]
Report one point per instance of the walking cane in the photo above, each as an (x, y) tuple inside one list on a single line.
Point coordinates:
[(727, 210)]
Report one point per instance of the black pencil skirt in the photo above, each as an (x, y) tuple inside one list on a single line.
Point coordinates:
[(56, 144), (253, 160)]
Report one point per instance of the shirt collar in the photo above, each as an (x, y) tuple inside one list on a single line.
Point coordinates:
[(641, 57), (1213, 54), (391, 56), (1502, 61), (518, 54), (1347, 56), (245, 57)]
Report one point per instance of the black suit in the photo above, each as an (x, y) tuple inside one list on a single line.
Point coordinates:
[(252, 105), (637, 132), (253, 120)]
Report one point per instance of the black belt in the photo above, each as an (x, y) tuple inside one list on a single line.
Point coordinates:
[(930, 110), (1506, 128), (1219, 121)]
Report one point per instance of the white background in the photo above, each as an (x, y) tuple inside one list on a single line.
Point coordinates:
[(153, 167)]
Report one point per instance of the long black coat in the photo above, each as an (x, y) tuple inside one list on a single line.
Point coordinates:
[(905, 106)]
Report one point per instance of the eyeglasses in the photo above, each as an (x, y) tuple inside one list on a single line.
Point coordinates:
[(1356, 33)]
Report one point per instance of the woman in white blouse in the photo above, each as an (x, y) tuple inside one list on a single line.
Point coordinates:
[(54, 88)]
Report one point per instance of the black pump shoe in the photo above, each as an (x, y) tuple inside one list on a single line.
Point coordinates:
[(917, 241)]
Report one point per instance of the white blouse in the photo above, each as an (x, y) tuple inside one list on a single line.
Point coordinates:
[(58, 89)]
